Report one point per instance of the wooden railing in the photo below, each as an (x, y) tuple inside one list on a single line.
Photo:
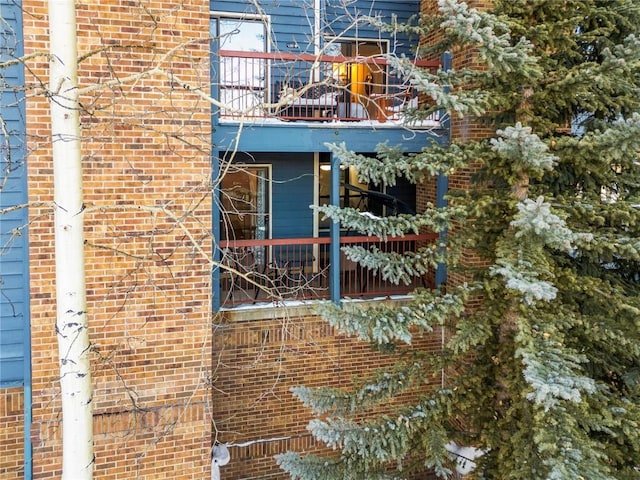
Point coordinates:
[(289, 87), (257, 271)]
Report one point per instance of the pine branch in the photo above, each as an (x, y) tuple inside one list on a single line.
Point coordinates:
[(384, 324)]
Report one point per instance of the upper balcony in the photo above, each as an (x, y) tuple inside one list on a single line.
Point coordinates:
[(271, 88)]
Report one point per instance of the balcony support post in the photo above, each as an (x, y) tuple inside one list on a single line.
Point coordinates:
[(334, 252), (215, 227), (442, 183)]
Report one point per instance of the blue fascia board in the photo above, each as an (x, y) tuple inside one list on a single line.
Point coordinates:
[(303, 138), (12, 384)]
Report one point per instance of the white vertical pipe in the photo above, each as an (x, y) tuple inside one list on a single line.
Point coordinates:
[(71, 319), (317, 44), (316, 26)]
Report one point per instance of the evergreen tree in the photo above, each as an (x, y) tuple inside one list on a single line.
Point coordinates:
[(543, 378)]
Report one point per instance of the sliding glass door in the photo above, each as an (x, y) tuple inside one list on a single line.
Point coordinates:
[(245, 198), (243, 85)]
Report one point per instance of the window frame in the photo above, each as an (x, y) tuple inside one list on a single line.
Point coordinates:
[(215, 18)]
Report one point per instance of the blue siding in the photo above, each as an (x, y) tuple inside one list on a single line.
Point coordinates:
[(339, 19), (299, 137), (292, 191), (293, 184), (14, 279), (292, 20)]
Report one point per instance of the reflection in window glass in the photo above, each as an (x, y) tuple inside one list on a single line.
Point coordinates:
[(242, 80), (347, 198), (245, 201)]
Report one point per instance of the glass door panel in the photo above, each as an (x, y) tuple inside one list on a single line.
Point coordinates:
[(245, 203), (363, 83), (242, 80)]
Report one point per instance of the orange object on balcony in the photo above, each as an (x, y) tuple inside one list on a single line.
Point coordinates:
[(382, 104), (306, 87)]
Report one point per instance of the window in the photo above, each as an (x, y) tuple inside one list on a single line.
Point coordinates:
[(242, 80)]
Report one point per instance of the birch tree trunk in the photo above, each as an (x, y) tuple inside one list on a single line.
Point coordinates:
[(71, 320)]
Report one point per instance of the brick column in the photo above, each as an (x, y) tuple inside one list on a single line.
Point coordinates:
[(462, 130)]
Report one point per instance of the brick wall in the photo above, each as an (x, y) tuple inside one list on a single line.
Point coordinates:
[(462, 129), (258, 355), (146, 144), (11, 432), (146, 141), (467, 128)]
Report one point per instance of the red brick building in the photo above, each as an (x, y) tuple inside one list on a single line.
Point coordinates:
[(145, 144), (174, 371)]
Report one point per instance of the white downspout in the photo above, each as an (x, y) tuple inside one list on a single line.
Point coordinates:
[(317, 34), (317, 12)]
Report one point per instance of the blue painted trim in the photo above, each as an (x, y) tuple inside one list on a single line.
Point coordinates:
[(442, 184), (334, 252), (215, 228), (442, 187), (28, 381), (314, 137), (214, 68), (215, 172), (28, 410)]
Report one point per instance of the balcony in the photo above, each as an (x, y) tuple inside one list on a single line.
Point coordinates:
[(282, 87), (277, 270)]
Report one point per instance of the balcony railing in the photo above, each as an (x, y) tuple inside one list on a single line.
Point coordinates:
[(298, 269), (289, 87)]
